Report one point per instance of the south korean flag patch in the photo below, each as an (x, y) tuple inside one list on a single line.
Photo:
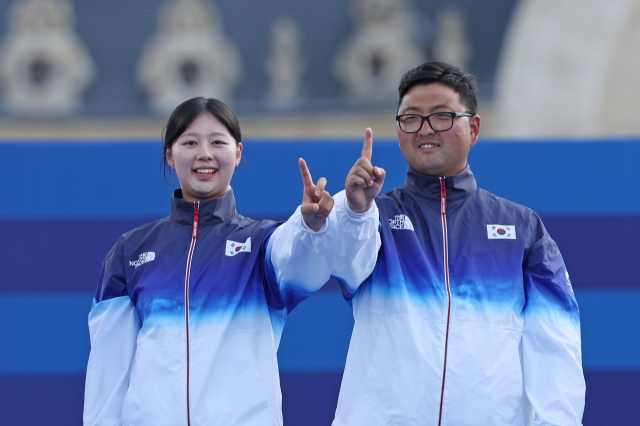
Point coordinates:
[(234, 247), (501, 232)]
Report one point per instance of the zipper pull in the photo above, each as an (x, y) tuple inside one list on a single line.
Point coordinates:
[(196, 217), (443, 197)]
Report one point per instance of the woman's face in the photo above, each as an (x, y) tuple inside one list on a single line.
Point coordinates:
[(204, 157)]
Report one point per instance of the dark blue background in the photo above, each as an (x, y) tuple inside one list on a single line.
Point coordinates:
[(64, 205)]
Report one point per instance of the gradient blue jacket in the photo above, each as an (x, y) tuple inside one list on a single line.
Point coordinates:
[(189, 311), (468, 318)]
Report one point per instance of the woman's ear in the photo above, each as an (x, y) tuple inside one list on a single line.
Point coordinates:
[(169, 157), (238, 153)]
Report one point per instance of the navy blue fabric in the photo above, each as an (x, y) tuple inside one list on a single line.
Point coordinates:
[(521, 271), (217, 280), (598, 251)]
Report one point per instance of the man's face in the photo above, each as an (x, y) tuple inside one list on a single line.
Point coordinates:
[(437, 153)]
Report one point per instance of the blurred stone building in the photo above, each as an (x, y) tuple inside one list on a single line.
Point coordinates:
[(331, 68)]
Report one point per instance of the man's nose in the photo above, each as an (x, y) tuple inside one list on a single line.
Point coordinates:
[(426, 128)]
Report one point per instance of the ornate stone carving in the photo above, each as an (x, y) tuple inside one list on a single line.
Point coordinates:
[(371, 63), (285, 64), (188, 56), (452, 45), (44, 66)]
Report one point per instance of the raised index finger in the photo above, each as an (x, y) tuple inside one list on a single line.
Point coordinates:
[(306, 174), (367, 146)]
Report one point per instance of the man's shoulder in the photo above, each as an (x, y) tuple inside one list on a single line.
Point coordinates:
[(388, 196), (390, 200), (490, 199)]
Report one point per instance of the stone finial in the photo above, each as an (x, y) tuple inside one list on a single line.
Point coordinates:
[(44, 66), (285, 64), (188, 56), (370, 64)]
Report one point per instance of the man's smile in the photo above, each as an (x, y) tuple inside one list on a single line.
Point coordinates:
[(428, 145)]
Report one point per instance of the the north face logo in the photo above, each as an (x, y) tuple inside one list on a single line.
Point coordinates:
[(401, 222), (143, 258)]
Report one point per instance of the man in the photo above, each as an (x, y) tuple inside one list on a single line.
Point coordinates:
[(468, 317)]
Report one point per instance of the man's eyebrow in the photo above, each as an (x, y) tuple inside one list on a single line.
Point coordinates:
[(411, 108), (440, 106), (431, 109)]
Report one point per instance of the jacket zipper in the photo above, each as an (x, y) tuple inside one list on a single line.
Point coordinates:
[(194, 235), (443, 214)]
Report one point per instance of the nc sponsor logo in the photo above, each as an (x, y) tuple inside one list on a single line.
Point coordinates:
[(401, 221), (234, 247), (501, 232), (143, 258)]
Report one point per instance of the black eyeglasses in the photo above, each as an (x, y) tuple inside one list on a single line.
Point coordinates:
[(439, 121)]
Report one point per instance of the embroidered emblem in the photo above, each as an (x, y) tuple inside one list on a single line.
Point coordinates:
[(234, 247), (501, 232), (143, 258), (401, 222)]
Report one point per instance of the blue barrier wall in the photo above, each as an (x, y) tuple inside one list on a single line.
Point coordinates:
[(65, 204)]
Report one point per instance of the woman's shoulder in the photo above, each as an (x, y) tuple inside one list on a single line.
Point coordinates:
[(146, 229), (246, 224)]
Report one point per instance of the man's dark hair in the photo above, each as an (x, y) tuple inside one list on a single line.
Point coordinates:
[(440, 72)]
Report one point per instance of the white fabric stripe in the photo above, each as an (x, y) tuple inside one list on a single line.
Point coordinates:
[(192, 247), (445, 248)]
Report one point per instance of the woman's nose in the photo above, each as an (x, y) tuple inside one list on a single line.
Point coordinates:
[(205, 152)]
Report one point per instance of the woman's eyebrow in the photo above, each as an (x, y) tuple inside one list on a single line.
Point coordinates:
[(196, 134)]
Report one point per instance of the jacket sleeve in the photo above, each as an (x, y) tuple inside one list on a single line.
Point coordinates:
[(113, 329), (551, 354), (357, 243), (302, 260)]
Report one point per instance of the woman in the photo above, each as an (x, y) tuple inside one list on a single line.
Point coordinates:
[(189, 309)]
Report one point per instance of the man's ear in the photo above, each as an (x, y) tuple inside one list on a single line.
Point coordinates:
[(474, 128)]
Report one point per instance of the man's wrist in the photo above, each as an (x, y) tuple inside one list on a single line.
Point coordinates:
[(357, 214)]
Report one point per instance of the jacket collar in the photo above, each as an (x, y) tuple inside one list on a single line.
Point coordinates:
[(211, 211), (459, 186)]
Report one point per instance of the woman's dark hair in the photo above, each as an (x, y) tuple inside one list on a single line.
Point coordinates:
[(187, 112), (440, 72)]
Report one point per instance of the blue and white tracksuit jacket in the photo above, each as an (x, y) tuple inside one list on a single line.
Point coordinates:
[(468, 318), (189, 311)]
